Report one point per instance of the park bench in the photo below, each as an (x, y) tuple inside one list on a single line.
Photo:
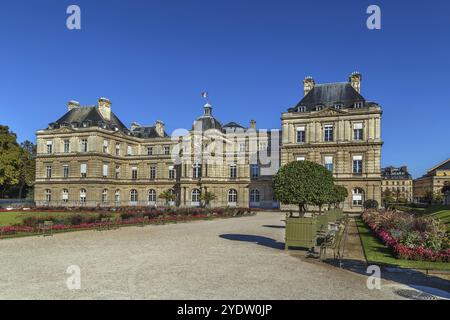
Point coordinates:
[(46, 228)]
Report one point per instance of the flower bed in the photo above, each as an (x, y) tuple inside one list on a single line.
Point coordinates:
[(409, 237), (93, 220)]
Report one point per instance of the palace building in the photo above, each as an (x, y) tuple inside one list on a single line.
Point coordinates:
[(397, 182), (432, 182), (89, 157)]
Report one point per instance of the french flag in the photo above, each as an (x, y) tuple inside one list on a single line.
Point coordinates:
[(204, 94)]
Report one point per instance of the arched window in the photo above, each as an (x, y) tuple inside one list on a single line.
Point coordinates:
[(83, 195), (357, 197), (195, 197), (232, 197), (151, 196), (48, 195), (65, 195), (134, 196), (117, 196), (104, 196), (254, 196)]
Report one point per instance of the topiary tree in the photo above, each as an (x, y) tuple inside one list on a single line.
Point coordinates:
[(339, 195), (207, 197), (370, 204), (303, 183)]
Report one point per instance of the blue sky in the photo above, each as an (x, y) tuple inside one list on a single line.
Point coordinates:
[(153, 58)]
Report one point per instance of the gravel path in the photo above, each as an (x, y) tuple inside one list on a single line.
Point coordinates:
[(241, 258)]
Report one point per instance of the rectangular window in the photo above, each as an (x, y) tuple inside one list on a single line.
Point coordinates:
[(242, 147), (328, 132), (83, 170), (233, 171), (117, 172), (300, 158), (129, 150), (262, 146), (49, 146), (171, 173), (152, 172), (357, 164), (167, 150), (358, 131), (301, 135), (197, 170), (254, 170), (105, 146), (66, 146), (48, 173), (105, 170), (134, 173), (328, 160), (84, 145), (66, 171), (117, 149), (149, 151)]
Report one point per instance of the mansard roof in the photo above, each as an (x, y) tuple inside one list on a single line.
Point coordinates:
[(233, 125), (146, 132), (328, 95), (445, 165), (393, 173), (90, 115)]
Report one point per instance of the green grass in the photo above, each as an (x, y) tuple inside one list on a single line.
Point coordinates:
[(11, 218), (436, 211), (377, 253)]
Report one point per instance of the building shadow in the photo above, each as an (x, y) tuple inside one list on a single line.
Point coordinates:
[(409, 277), (259, 240), (273, 226)]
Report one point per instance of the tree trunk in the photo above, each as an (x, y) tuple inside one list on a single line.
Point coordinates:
[(22, 185)]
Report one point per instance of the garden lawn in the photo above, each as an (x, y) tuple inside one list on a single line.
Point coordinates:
[(443, 215), (377, 253), (10, 218)]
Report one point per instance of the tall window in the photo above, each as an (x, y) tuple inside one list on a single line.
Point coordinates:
[(134, 173), (117, 172), (254, 170), (358, 131), (117, 149), (117, 196), (167, 150), (233, 171), (84, 145), (357, 197), (105, 170), (49, 146), (171, 173), (232, 197), (301, 135), (328, 132), (65, 195), (152, 172), (104, 196), (134, 196), (242, 147), (254, 195), (152, 196), (83, 170), (357, 164), (129, 150), (65, 170), (105, 146), (197, 170), (48, 171), (66, 146), (48, 195), (328, 160), (149, 151), (195, 197), (83, 196)]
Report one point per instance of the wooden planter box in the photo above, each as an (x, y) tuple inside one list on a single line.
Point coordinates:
[(300, 232)]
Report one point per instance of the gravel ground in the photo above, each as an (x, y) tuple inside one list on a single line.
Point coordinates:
[(241, 258)]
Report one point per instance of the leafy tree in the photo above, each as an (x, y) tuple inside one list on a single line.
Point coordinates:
[(371, 204), (168, 195), (10, 159), (207, 197), (446, 188), (428, 196), (339, 195), (27, 168), (303, 183)]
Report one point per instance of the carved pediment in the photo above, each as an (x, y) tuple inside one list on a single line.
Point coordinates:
[(330, 112)]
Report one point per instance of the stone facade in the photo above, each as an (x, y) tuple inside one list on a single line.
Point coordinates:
[(434, 180), (89, 157), (397, 182)]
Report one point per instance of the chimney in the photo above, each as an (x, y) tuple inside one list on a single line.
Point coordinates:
[(308, 84), (135, 125), (72, 104), (159, 127), (104, 106), (355, 80), (252, 124)]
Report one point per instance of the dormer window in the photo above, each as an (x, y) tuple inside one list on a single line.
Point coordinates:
[(358, 105), (338, 106), (301, 109), (319, 107)]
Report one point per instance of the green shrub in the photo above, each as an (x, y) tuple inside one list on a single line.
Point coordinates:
[(370, 204)]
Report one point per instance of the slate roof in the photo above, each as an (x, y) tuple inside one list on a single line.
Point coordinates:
[(445, 165), (328, 95), (207, 121), (146, 132), (233, 125), (393, 173), (90, 115)]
